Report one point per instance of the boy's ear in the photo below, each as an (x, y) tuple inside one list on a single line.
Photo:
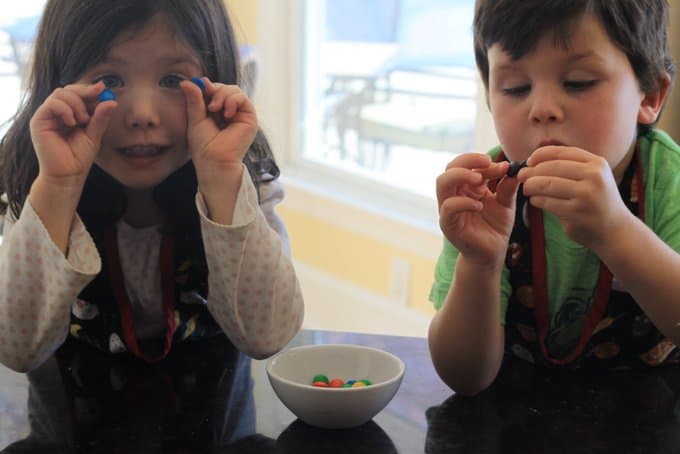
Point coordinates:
[(652, 103)]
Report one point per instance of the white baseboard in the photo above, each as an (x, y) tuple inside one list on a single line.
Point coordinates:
[(336, 305)]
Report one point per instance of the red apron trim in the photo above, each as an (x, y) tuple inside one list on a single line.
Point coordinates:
[(123, 301), (540, 278)]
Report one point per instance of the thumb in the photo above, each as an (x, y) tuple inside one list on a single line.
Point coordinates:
[(100, 120), (196, 109)]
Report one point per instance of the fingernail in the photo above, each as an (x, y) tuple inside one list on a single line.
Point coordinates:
[(106, 95), (198, 81)]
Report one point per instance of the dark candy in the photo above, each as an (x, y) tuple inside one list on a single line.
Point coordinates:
[(515, 167)]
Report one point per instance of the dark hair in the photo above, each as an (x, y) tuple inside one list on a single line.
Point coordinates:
[(76, 34), (638, 27)]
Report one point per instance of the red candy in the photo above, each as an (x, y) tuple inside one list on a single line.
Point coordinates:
[(320, 384), (336, 383)]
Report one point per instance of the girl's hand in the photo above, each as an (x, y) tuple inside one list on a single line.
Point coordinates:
[(220, 133), (67, 130), (579, 188), (475, 220)]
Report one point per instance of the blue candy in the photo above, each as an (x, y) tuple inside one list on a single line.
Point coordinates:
[(106, 95), (198, 81)]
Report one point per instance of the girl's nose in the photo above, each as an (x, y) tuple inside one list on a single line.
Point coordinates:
[(141, 112), (545, 108)]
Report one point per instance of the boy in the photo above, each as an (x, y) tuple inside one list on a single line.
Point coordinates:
[(580, 249)]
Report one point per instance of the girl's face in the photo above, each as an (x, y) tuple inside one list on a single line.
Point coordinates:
[(147, 138), (585, 96)]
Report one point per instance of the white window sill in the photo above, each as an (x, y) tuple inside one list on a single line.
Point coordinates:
[(405, 221)]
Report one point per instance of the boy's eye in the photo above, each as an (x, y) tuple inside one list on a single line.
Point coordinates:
[(171, 81), (110, 81), (517, 91), (579, 84)]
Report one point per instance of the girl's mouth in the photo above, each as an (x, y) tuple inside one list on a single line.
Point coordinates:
[(142, 151)]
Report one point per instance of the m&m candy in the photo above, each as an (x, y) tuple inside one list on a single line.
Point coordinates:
[(106, 95), (322, 381), (198, 81), (320, 377), (515, 167)]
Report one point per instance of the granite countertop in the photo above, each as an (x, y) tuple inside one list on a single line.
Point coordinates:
[(207, 398)]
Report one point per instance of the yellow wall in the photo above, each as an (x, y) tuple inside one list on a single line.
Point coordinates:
[(345, 254), (243, 14), (355, 258), (670, 120)]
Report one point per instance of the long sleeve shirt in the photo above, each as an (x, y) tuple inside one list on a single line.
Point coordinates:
[(254, 294)]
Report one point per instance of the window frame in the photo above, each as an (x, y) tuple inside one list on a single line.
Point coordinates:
[(279, 100)]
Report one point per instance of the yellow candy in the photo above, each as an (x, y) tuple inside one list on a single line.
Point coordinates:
[(358, 384)]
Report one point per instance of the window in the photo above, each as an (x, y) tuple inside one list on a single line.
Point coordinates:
[(18, 24), (379, 94), (390, 87)]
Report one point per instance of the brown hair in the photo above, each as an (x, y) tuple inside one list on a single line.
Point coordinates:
[(76, 34), (638, 27)]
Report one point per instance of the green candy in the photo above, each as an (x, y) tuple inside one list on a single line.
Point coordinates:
[(366, 382), (347, 385), (320, 377)]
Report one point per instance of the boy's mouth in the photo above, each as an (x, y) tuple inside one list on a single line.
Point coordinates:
[(546, 143)]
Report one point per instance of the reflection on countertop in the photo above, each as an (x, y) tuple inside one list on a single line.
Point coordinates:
[(208, 398)]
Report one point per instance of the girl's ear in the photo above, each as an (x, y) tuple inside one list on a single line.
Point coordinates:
[(652, 103)]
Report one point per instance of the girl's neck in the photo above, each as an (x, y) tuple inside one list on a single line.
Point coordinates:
[(142, 210)]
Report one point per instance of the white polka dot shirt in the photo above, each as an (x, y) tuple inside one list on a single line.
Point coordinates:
[(254, 294)]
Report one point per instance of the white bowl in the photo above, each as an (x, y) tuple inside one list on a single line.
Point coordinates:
[(291, 371)]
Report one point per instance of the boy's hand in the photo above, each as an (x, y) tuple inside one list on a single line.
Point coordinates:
[(219, 133), (579, 188), (67, 130), (475, 220)]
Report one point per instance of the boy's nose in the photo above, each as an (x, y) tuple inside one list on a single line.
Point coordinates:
[(545, 108)]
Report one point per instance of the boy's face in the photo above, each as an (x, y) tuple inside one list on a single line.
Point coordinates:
[(147, 138), (584, 96)]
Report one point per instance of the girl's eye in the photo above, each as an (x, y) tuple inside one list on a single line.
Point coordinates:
[(110, 81), (578, 85), (171, 81), (519, 90)]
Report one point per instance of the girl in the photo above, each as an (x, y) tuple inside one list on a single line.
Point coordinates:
[(133, 223)]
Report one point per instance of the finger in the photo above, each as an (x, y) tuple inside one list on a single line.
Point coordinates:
[(75, 101), (453, 206), (554, 187), (449, 182), (101, 118), (237, 103), (571, 170), (196, 109), (55, 113), (495, 170), (87, 94), (558, 152), (559, 207), (470, 161), (217, 93)]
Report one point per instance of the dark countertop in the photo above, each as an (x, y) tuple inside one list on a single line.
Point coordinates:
[(206, 398)]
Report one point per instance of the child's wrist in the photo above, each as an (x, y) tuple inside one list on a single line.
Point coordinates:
[(64, 189), (482, 265), (217, 178)]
